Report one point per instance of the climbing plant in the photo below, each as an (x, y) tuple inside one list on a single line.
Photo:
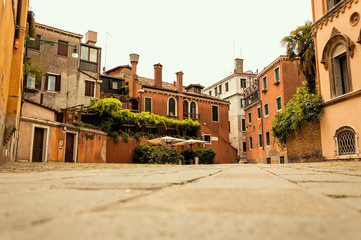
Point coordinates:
[(303, 107)]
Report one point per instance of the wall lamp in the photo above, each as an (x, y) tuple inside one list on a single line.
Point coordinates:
[(34, 42)]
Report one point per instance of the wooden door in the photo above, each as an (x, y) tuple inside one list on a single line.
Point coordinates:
[(69, 148), (38, 145)]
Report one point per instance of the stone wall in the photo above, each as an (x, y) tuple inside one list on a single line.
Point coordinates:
[(304, 145)]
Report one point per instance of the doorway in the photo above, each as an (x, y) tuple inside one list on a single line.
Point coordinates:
[(69, 148), (38, 145)]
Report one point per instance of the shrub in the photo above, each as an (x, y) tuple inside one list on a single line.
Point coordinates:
[(156, 154), (115, 136), (188, 154), (206, 155), (125, 137), (137, 136)]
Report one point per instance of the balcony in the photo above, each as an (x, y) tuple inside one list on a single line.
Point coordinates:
[(191, 115), (88, 66)]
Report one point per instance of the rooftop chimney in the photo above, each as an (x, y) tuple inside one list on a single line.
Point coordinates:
[(238, 65), (91, 37), (158, 75), (134, 59), (180, 81)]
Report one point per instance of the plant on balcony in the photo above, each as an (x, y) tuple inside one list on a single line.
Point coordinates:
[(303, 107)]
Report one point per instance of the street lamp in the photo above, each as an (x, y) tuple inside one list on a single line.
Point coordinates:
[(34, 42)]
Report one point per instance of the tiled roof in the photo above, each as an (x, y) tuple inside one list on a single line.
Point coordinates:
[(115, 68), (231, 76), (39, 25)]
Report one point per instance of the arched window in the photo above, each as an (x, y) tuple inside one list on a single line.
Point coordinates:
[(193, 110), (336, 55), (340, 70), (171, 107), (185, 109), (346, 141)]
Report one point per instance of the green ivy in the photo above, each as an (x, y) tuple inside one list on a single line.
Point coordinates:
[(303, 107)]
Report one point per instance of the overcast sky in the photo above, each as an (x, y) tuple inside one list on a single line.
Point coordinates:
[(199, 37)]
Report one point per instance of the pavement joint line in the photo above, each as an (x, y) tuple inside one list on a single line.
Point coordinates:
[(121, 201)]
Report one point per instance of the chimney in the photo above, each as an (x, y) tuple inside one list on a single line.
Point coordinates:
[(180, 81), (158, 75), (91, 37), (238, 65), (134, 59)]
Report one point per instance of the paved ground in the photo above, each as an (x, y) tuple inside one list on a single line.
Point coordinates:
[(109, 201)]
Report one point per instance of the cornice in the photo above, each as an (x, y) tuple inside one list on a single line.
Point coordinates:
[(332, 14), (274, 63)]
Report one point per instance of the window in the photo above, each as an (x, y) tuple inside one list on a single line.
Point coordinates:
[(346, 141), (332, 3), (242, 103), (147, 104), (265, 87), (30, 81), (268, 139), (185, 109), (193, 110), (259, 113), (210, 93), (227, 87), (340, 70), (53, 82), (243, 83), (215, 92), (243, 125), (278, 104), (277, 74), (171, 107), (266, 111), (215, 113), (250, 143), (260, 140), (244, 145), (89, 54), (220, 89), (269, 160), (249, 117), (89, 88), (282, 159), (207, 138), (63, 48)]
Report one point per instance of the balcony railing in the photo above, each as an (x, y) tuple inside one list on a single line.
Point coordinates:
[(88, 66), (191, 115)]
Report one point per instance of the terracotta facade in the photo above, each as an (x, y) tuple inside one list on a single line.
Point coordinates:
[(275, 86)]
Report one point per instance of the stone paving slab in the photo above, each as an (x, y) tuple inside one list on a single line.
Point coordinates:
[(75, 201)]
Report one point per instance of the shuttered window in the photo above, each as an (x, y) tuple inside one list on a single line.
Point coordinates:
[(89, 88), (53, 82), (215, 113), (147, 104), (171, 107), (63, 49)]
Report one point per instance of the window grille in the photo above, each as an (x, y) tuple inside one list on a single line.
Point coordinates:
[(346, 142)]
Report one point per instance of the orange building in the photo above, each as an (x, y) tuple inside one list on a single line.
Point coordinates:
[(173, 100), (13, 16), (337, 33), (276, 85)]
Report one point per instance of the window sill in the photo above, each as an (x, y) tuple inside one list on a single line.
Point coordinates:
[(343, 97), (264, 90), (51, 91), (276, 82), (33, 90)]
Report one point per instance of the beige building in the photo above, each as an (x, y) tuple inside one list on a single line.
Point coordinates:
[(336, 29), (66, 81), (231, 89)]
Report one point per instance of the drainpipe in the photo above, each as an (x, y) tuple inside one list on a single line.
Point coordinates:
[(17, 26)]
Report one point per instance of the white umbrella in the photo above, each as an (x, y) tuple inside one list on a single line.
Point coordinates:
[(166, 139), (189, 142)]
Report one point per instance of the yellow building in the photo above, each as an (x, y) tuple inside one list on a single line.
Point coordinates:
[(337, 32), (13, 16)]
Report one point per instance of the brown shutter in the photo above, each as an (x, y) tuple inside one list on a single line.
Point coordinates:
[(46, 81), (63, 49), (92, 89), (58, 83), (86, 88)]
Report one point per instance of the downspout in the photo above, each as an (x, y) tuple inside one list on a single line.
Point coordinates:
[(17, 25)]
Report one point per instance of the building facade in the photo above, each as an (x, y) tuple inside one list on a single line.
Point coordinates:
[(173, 100), (276, 84), (337, 33), (13, 17), (66, 80), (231, 89)]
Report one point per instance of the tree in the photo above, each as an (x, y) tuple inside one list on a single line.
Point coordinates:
[(300, 45)]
